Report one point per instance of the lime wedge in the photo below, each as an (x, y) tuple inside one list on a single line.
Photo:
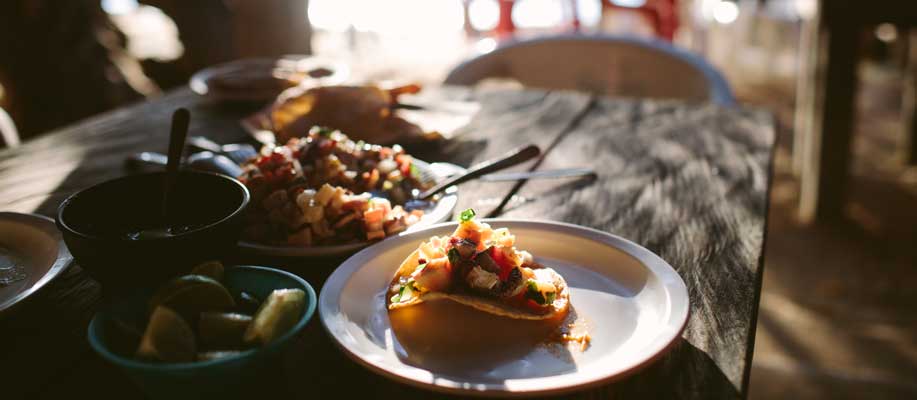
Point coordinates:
[(277, 315), (191, 295), (222, 330), (167, 338), (210, 269)]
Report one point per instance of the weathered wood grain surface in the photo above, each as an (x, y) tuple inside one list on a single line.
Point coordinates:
[(688, 181)]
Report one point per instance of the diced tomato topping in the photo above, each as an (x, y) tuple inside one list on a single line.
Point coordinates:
[(521, 301), (326, 146), (374, 215), (354, 205), (284, 174), (532, 305), (404, 164), (505, 265)]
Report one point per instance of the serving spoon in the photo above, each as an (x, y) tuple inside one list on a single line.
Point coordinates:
[(180, 121), (177, 135)]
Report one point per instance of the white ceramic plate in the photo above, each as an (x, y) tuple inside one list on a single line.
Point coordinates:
[(263, 68), (32, 253), (633, 302), (440, 212)]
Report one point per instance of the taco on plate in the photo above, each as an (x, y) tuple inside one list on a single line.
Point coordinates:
[(480, 267)]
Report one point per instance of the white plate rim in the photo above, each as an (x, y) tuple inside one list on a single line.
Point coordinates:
[(678, 313), (64, 258)]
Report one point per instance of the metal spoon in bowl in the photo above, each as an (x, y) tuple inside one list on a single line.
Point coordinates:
[(180, 121)]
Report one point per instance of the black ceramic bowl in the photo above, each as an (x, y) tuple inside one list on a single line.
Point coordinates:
[(100, 226)]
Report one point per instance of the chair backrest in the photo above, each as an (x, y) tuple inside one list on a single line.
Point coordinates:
[(603, 64), (9, 137)]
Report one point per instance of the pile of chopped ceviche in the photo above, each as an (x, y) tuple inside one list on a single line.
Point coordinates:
[(325, 189)]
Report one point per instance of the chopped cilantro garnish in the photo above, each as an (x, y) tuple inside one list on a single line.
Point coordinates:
[(467, 215), (550, 298), (419, 268), (532, 293), (408, 287), (415, 172), (323, 131), (397, 297)]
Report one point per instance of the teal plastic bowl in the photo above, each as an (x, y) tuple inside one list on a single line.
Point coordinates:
[(229, 377)]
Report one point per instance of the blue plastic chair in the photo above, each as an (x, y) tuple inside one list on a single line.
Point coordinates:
[(602, 64)]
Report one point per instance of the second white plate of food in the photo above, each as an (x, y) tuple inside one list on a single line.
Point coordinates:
[(631, 304), (439, 211), (262, 79)]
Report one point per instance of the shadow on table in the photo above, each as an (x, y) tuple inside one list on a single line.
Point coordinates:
[(693, 375), (459, 152)]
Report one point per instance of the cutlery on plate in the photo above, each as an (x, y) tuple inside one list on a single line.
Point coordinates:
[(545, 174), (516, 156)]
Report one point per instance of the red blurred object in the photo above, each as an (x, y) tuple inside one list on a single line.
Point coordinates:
[(662, 14), (505, 26)]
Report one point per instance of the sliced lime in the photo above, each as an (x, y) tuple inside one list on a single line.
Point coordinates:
[(167, 338), (212, 269), (277, 315), (222, 330), (191, 295)]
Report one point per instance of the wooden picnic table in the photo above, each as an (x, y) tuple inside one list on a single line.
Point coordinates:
[(689, 181)]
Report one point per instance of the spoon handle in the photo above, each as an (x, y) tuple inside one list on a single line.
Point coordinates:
[(545, 174), (180, 121), (514, 157)]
